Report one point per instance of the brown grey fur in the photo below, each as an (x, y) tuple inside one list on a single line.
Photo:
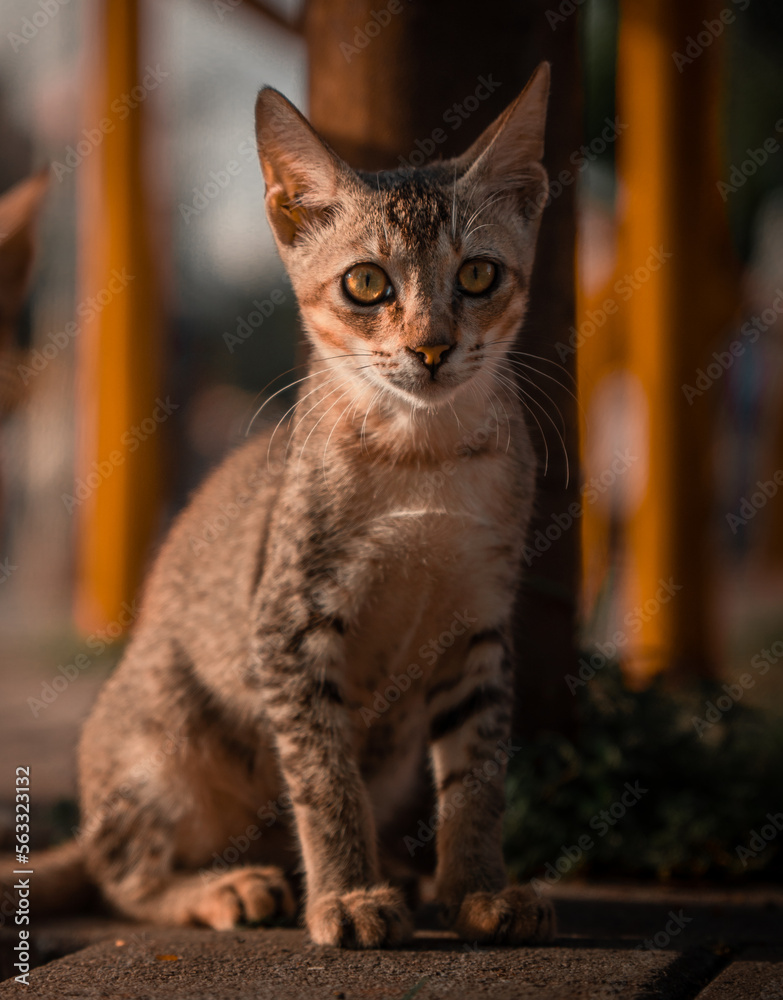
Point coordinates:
[(398, 499)]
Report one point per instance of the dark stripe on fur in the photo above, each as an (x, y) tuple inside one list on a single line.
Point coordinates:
[(450, 779), (330, 691), (452, 718), (490, 635), (441, 686), (498, 730)]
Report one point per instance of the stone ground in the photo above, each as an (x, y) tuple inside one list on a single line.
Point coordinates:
[(613, 942)]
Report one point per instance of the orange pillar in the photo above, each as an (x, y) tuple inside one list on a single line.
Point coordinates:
[(669, 165), (647, 165), (677, 292), (115, 496)]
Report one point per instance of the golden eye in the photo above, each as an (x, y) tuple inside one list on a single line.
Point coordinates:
[(476, 276), (367, 284)]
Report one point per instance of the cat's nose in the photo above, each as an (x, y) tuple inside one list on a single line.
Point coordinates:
[(432, 355)]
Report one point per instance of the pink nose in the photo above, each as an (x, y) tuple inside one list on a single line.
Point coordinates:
[(432, 354)]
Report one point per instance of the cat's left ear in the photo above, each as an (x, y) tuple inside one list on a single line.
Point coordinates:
[(301, 172), (507, 155)]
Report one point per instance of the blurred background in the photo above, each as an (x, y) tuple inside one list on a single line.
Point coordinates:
[(158, 318)]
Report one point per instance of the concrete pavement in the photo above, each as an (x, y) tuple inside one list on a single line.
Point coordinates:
[(635, 942)]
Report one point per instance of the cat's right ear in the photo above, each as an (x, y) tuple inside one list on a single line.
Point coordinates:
[(300, 170), (507, 155)]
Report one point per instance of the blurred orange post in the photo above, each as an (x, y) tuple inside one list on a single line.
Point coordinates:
[(115, 497), (676, 289)]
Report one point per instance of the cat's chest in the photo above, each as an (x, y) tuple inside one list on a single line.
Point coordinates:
[(447, 515), (432, 554)]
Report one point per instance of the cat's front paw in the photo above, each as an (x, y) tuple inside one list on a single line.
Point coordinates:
[(254, 894), (514, 915), (363, 918)]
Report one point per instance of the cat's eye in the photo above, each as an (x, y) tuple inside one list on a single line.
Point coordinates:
[(367, 284), (476, 276)]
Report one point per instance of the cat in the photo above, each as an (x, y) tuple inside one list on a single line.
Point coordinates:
[(375, 550)]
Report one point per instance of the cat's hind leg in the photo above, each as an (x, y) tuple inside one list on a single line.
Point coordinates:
[(166, 784), (131, 852), (250, 894)]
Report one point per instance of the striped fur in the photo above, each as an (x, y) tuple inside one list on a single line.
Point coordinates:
[(351, 620)]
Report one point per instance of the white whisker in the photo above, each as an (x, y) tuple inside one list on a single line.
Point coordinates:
[(527, 397), (527, 367), (536, 357), (318, 421), (284, 388), (454, 206), (509, 386), (383, 217), (530, 381), (487, 203), (475, 229), (290, 385), (362, 435), (291, 410), (334, 426)]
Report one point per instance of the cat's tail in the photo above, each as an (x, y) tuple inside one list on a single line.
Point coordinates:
[(53, 881)]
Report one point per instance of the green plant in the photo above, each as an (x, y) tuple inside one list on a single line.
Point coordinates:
[(705, 794)]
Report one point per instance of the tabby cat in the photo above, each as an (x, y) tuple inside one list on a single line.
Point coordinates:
[(332, 609)]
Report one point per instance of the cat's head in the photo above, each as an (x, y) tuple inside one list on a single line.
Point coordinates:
[(419, 277)]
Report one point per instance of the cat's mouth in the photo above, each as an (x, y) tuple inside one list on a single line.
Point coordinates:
[(427, 388)]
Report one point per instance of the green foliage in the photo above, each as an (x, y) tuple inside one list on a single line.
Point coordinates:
[(706, 794)]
